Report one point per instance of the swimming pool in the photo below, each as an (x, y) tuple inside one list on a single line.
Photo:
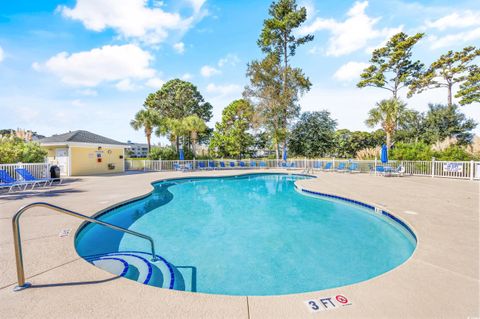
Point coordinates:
[(246, 235)]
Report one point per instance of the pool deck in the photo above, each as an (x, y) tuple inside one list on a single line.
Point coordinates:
[(440, 280)]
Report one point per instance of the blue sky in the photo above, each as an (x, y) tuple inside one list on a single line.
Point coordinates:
[(89, 64)]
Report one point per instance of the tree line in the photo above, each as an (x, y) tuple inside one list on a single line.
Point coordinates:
[(268, 116)]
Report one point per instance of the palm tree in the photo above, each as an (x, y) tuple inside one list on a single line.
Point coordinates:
[(194, 125), (148, 119), (176, 129), (389, 114)]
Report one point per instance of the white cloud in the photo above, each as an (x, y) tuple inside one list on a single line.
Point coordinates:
[(348, 36), (126, 85), (1, 54), (227, 89), (207, 71), (187, 76), (461, 19), (132, 18), (350, 71), (229, 59), (155, 83), (452, 40), (105, 64), (179, 47), (88, 92)]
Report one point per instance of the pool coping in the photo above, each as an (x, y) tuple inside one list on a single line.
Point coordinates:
[(380, 211)]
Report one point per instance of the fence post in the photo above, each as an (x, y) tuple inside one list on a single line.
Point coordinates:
[(433, 166), (333, 163), (471, 170), (375, 165)]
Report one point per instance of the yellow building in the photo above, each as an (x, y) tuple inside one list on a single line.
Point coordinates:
[(84, 153)]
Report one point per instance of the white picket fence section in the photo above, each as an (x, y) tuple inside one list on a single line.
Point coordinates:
[(39, 170), (447, 169)]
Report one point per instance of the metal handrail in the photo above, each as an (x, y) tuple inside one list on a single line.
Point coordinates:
[(18, 244)]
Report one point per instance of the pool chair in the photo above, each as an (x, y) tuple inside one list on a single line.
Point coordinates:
[(380, 170), (328, 167), (399, 171), (353, 168), (211, 164), (341, 167), (242, 164), (262, 165), (253, 164), (7, 181), (232, 164), (222, 165), (176, 167), (202, 166), (28, 177), (188, 167)]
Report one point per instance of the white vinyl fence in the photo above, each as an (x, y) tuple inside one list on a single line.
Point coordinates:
[(39, 170), (462, 170)]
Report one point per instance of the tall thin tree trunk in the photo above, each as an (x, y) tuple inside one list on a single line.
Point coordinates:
[(449, 94), (389, 140), (177, 143), (148, 142), (148, 134)]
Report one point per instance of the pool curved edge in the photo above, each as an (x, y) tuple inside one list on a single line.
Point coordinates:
[(302, 190)]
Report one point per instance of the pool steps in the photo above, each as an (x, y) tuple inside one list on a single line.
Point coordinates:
[(138, 266)]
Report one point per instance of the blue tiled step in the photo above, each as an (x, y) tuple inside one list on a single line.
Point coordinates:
[(137, 266)]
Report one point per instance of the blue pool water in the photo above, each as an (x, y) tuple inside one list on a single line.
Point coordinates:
[(247, 235)]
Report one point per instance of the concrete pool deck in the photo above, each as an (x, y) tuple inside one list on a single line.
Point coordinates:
[(440, 280)]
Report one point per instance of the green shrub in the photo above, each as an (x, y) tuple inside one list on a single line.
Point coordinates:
[(14, 150), (453, 153), (411, 152)]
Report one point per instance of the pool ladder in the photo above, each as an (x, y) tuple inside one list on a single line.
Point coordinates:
[(18, 243)]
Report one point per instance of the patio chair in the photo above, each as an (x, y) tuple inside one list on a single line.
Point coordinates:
[(399, 171), (341, 167), (222, 165), (176, 167), (380, 170), (188, 167), (7, 181), (211, 164), (353, 168), (28, 177), (202, 166), (262, 164), (327, 167), (232, 164), (253, 164), (242, 164)]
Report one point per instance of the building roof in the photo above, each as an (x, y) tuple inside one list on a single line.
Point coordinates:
[(79, 136)]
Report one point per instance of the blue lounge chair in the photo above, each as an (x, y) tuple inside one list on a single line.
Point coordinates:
[(222, 165), (263, 164), (7, 181), (232, 164), (253, 164), (380, 170), (211, 164), (341, 167), (353, 168), (188, 167), (201, 165), (176, 167), (242, 164), (317, 165), (328, 167), (28, 177)]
